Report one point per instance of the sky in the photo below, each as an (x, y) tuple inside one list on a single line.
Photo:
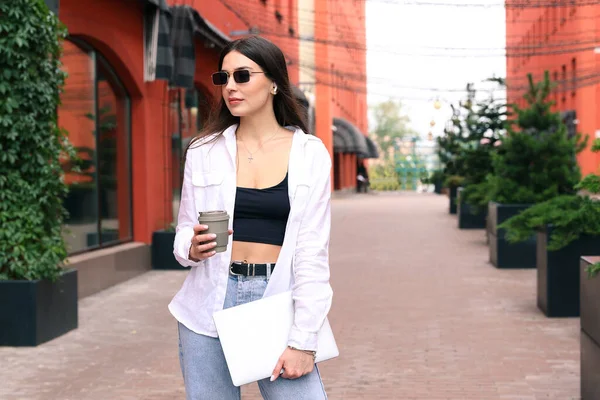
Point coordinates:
[(413, 49)]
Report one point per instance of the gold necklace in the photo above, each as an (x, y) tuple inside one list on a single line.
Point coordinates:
[(251, 156)]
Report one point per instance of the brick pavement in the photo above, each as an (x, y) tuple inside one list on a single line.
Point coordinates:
[(418, 314)]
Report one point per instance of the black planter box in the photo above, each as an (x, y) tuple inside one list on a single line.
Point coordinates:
[(590, 368), (452, 196), (34, 312), (162, 251), (466, 218), (558, 274), (437, 186), (502, 253), (590, 331)]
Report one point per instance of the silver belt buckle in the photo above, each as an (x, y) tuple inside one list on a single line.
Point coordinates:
[(233, 273)]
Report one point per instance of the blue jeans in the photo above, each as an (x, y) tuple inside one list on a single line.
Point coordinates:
[(204, 368)]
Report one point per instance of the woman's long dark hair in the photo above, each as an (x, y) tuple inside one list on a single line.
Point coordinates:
[(272, 61)]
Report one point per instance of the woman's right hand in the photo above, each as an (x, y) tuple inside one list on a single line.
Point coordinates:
[(203, 244)]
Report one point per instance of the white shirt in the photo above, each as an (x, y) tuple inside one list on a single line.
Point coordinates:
[(210, 183)]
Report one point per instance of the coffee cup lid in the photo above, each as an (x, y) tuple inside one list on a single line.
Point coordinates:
[(208, 216)]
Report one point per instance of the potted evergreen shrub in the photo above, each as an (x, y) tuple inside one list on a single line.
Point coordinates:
[(38, 296), (453, 183), (437, 179), (450, 150), (162, 249), (535, 162), (590, 327), (484, 126), (567, 227)]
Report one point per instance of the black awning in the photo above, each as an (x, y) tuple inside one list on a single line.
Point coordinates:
[(373, 152), (158, 54), (171, 35), (354, 139), (186, 25), (161, 4), (342, 141), (213, 36)]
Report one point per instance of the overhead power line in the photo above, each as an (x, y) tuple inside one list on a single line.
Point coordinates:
[(362, 77), (261, 8), (511, 53), (508, 51), (509, 4)]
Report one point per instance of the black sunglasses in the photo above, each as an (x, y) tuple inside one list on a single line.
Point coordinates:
[(240, 76)]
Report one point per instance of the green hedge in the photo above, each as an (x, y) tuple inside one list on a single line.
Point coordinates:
[(31, 179)]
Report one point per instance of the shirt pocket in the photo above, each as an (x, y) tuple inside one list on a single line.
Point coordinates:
[(207, 190), (300, 199)]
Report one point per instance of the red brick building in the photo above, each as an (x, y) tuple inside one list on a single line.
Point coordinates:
[(561, 38), (130, 125)]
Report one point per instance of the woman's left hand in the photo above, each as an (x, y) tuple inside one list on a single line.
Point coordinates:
[(295, 364)]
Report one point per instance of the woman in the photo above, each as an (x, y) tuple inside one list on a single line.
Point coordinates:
[(255, 161)]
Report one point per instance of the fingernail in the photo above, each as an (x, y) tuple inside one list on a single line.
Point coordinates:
[(272, 378), (212, 235)]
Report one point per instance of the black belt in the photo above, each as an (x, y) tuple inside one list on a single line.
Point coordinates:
[(245, 269)]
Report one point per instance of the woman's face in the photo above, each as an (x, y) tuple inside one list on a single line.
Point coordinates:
[(250, 97)]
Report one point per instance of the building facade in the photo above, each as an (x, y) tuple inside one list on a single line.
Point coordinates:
[(334, 64), (561, 38), (139, 89)]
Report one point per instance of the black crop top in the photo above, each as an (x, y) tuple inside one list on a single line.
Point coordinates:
[(260, 215)]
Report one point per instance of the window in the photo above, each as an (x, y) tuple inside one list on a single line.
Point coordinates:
[(573, 76), (333, 80), (556, 89), (291, 17), (564, 83), (96, 112), (278, 15)]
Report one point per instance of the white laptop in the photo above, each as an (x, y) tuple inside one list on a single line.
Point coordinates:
[(254, 335)]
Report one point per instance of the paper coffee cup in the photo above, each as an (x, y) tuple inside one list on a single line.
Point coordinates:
[(218, 223)]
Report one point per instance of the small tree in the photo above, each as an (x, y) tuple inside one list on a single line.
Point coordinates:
[(570, 215), (450, 149), (543, 150), (537, 159), (484, 126), (391, 124), (31, 179)]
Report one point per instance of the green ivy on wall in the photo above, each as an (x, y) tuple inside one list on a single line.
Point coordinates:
[(32, 187)]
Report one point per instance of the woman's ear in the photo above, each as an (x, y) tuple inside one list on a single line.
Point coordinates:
[(274, 90)]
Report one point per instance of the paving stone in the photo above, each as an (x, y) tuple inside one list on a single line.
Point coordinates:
[(418, 313)]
